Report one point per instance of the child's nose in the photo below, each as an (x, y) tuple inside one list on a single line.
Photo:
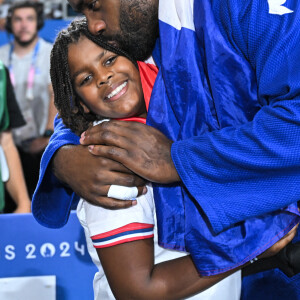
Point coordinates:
[(104, 79)]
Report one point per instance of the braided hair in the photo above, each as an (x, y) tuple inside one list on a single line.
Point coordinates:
[(66, 100)]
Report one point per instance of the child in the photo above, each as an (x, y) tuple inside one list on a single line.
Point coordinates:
[(119, 98), (92, 81)]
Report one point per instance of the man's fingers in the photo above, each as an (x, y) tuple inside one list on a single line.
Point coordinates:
[(96, 176), (127, 180), (280, 244), (289, 237), (97, 195), (107, 164), (142, 190), (111, 203), (109, 152), (141, 148), (105, 132)]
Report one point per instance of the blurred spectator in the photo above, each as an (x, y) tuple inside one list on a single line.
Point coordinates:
[(28, 61), (3, 13), (53, 9), (10, 164)]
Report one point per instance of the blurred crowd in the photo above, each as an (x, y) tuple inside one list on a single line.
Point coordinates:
[(52, 9), (27, 110)]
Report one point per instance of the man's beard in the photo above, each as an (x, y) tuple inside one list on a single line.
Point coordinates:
[(25, 43), (139, 28)]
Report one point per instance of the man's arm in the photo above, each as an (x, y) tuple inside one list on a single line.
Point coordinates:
[(49, 189), (237, 172), (75, 169), (95, 177), (141, 148)]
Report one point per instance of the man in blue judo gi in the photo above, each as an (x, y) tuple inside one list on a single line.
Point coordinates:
[(226, 103)]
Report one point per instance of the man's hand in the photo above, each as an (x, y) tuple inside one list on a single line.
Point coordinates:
[(90, 176), (282, 255), (283, 242), (141, 148)]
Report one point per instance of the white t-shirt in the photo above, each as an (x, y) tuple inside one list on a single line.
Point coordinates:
[(104, 228), (35, 111)]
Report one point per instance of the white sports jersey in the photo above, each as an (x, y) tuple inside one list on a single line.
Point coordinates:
[(104, 228)]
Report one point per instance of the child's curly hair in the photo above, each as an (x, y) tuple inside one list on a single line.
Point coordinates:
[(66, 100)]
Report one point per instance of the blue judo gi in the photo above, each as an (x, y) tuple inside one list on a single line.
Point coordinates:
[(227, 93)]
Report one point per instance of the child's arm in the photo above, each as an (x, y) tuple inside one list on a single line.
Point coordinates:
[(131, 273), (129, 266)]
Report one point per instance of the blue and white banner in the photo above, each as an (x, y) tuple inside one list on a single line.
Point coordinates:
[(29, 249)]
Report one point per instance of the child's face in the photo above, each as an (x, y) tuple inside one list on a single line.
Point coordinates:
[(108, 84)]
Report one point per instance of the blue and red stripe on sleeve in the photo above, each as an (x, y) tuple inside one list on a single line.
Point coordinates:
[(127, 233)]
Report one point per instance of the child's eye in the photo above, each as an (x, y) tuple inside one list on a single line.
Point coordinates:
[(85, 80), (110, 61)]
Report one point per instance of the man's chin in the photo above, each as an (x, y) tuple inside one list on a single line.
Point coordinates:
[(140, 49), (24, 42)]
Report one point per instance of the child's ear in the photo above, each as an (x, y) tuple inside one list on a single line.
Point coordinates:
[(85, 108)]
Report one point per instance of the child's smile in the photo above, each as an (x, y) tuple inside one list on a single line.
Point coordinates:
[(108, 85), (117, 91)]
